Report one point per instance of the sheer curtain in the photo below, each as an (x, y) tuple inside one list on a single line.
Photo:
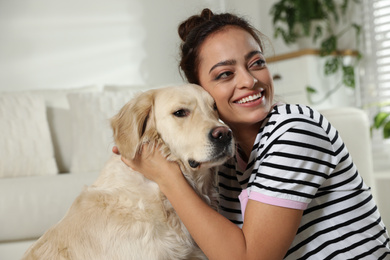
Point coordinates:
[(375, 76)]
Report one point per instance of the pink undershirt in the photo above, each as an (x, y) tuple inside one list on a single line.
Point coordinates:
[(246, 194)]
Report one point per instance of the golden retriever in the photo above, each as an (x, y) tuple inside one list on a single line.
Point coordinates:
[(123, 215)]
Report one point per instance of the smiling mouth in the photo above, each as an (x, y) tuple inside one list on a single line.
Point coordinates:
[(250, 98)]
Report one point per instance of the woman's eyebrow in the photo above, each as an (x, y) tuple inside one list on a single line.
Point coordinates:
[(223, 63), (233, 62), (252, 53)]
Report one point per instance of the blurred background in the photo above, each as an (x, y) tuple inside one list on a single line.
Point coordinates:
[(324, 55)]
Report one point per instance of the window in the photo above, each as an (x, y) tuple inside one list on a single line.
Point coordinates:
[(375, 76)]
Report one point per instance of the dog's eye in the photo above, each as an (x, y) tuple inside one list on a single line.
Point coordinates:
[(215, 106), (181, 113)]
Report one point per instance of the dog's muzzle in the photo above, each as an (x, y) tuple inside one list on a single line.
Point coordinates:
[(221, 138)]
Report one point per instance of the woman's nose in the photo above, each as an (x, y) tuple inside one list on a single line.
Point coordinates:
[(246, 80)]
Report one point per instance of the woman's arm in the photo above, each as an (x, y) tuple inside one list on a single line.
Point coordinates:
[(267, 231)]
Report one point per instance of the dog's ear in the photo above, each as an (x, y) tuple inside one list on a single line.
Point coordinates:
[(131, 123)]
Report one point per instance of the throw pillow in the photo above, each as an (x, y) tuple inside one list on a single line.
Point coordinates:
[(92, 138), (26, 146)]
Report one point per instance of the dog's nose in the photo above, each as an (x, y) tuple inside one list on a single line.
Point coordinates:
[(221, 134)]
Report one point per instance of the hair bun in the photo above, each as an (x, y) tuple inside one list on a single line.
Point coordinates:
[(188, 25), (206, 14)]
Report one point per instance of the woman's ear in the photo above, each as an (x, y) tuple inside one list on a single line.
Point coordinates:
[(131, 123)]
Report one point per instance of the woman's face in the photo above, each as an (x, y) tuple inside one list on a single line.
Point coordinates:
[(232, 69)]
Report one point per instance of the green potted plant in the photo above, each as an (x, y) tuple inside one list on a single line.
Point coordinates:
[(382, 121), (319, 20)]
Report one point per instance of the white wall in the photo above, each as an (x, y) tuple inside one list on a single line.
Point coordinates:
[(62, 44), (57, 44)]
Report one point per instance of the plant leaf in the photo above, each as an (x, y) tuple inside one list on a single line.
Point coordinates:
[(380, 119), (328, 45), (349, 76), (358, 28), (344, 6), (331, 7), (386, 130), (331, 65), (317, 33), (310, 90), (276, 12), (359, 56), (290, 18), (278, 32), (358, 31)]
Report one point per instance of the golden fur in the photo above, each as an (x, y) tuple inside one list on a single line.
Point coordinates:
[(123, 215)]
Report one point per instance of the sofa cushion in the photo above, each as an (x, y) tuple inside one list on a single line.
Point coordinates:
[(31, 205), (26, 146), (92, 138), (59, 119), (14, 250)]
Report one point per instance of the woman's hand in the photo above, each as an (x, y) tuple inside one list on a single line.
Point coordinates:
[(153, 165), (115, 150)]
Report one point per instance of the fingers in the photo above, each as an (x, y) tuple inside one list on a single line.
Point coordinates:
[(140, 157), (149, 155), (115, 150)]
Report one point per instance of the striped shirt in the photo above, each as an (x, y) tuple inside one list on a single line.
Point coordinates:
[(299, 161)]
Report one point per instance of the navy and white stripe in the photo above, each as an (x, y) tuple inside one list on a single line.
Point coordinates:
[(298, 157)]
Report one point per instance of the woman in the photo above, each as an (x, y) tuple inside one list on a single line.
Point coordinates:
[(292, 190)]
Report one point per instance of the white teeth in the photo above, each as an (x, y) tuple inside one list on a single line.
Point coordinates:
[(249, 98)]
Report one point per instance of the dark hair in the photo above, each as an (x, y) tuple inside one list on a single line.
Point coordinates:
[(197, 28)]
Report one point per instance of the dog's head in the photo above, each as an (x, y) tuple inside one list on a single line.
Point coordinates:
[(182, 120)]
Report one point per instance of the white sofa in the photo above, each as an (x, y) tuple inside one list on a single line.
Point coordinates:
[(53, 143), (78, 145)]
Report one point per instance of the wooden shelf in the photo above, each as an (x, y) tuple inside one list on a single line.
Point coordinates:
[(303, 52)]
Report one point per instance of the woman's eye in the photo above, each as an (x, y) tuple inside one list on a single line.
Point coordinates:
[(224, 75), (259, 63), (181, 113)]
